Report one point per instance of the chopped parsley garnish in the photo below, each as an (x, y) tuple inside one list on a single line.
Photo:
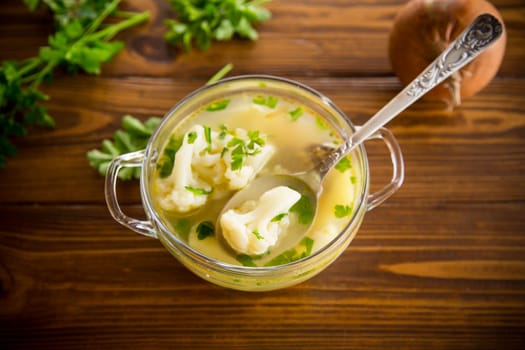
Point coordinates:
[(166, 160), (353, 179), (235, 142), (223, 152), (224, 132), (205, 229), (270, 101), (218, 106), (260, 100), (192, 136), (304, 208), (257, 235), (241, 149), (279, 217), (321, 124), (182, 227), (341, 211), (245, 260), (255, 140), (237, 155), (344, 165), (296, 113), (207, 135), (303, 250), (198, 191), (248, 260)]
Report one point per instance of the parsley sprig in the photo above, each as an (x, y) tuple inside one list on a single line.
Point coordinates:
[(242, 149), (200, 22), (133, 136), (80, 43), (205, 229)]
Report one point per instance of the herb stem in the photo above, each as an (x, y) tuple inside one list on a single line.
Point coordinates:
[(46, 70), (100, 18), (109, 32), (220, 74), (124, 14), (31, 64)]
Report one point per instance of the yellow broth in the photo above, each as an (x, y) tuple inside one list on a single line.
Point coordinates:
[(294, 130)]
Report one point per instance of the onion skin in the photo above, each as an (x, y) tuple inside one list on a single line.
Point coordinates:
[(424, 28)]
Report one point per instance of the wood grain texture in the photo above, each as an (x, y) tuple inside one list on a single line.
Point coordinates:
[(440, 265), (312, 38)]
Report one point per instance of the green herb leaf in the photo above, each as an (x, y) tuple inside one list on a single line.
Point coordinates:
[(344, 165), (133, 137), (248, 260), (224, 132), (182, 227), (304, 208), (122, 143), (340, 211), (198, 191), (296, 113), (218, 106), (279, 217), (321, 124), (224, 151), (237, 160), (200, 22), (245, 260), (270, 101), (253, 147), (82, 41), (205, 229), (303, 249), (260, 100), (207, 136), (167, 159), (257, 235), (238, 153), (192, 136)]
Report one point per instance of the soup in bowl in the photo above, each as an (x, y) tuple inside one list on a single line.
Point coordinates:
[(215, 142)]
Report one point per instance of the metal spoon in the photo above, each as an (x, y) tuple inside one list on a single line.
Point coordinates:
[(478, 36)]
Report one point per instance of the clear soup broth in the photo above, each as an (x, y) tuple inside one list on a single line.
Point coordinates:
[(294, 130)]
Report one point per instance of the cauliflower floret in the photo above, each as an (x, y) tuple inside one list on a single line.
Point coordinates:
[(183, 190), (209, 163), (250, 230), (256, 154)]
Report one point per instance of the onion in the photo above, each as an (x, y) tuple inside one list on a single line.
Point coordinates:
[(424, 28)]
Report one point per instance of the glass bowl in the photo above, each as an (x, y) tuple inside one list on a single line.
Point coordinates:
[(231, 275)]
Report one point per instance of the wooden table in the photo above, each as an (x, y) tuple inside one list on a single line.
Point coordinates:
[(441, 265)]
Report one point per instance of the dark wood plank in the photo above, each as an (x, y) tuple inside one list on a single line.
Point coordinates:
[(440, 265), (452, 277), (337, 38)]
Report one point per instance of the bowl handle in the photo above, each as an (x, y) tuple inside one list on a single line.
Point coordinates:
[(133, 159), (398, 169)]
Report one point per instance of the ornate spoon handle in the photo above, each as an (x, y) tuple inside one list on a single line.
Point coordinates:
[(479, 35)]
